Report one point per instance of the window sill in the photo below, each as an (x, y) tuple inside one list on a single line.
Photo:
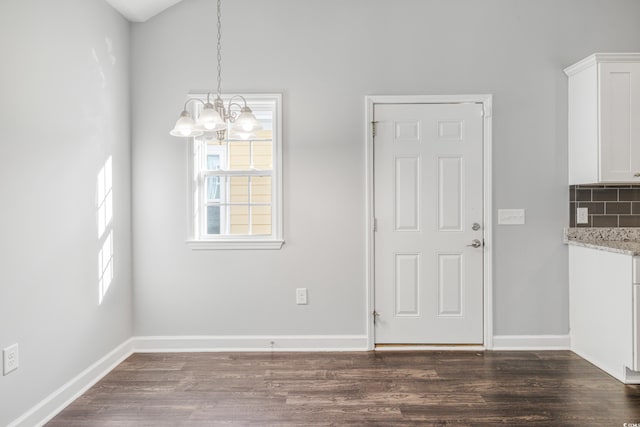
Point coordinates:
[(212, 245)]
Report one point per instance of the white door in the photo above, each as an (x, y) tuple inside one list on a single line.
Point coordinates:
[(428, 193)]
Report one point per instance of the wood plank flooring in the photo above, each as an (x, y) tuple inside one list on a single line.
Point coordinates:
[(374, 388)]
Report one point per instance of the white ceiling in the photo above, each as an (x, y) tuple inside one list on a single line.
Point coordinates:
[(141, 10)]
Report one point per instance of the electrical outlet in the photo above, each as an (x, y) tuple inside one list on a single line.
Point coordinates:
[(582, 215), (301, 296), (10, 361)]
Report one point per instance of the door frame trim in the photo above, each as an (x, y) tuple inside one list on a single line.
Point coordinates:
[(487, 103)]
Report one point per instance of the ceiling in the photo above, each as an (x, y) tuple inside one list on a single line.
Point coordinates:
[(141, 10)]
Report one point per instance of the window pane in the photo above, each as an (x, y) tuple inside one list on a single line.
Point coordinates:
[(239, 155), (213, 188), (261, 189), (239, 189), (213, 219), (213, 161), (239, 219), (262, 154), (261, 220)]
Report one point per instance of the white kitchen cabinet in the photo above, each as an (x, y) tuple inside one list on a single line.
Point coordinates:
[(603, 306), (604, 119)]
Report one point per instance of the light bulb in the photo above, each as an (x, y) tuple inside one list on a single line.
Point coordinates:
[(209, 118), (236, 134), (246, 121)]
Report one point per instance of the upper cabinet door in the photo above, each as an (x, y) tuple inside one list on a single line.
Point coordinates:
[(619, 122), (604, 119)]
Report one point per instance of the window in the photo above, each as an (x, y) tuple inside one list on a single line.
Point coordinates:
[(236, 185)]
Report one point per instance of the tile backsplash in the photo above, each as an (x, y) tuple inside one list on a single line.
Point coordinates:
[(609, 205)]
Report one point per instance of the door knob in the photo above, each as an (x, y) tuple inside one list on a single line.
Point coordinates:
[(475, 243)]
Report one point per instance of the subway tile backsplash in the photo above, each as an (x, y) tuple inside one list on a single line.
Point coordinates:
[(609, 205)]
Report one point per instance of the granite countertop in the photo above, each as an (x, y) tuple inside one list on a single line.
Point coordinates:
[(619, 240)]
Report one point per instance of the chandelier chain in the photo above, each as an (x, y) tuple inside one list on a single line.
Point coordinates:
[(219, 49)]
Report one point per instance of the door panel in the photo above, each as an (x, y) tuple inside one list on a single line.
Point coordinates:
[(407, 191), (450, 271), (428, 193), (407, 285), (450, 194)]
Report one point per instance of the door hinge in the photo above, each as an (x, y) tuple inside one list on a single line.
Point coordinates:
[(375, 224), (375, 316), (373, 129)]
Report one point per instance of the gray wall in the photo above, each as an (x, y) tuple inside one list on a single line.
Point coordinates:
[(325, 57), (64, 102)]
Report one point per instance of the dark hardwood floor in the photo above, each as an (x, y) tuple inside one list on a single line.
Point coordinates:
[(376, 388)]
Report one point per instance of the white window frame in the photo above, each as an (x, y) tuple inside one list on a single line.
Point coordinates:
[(199, 240)]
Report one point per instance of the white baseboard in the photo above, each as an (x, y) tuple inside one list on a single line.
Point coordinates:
[(249, 343), (631, 377), (50, 406), (531, 342)]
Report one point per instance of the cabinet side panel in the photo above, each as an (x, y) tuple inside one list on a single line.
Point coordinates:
[(583, 127), (600, 286)]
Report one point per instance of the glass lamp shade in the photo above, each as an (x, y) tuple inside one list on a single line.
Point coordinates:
[(245, 136), (246, 122), (185, 126), (210, 120)]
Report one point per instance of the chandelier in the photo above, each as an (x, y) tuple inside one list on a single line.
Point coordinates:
[(216, 117)]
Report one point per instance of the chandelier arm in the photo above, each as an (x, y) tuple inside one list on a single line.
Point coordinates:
[(233, 115), (190, 100), (244, 101)]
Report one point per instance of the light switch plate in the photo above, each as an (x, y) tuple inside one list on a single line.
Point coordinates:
[(511, 216)]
